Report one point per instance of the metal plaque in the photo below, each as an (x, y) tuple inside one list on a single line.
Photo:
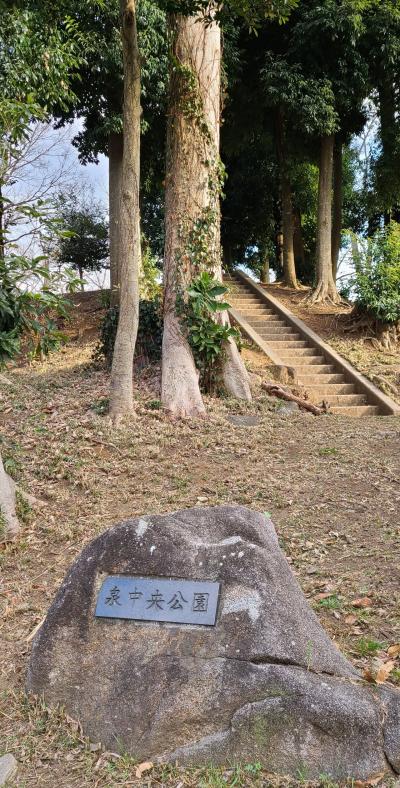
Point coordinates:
[(158, 599)]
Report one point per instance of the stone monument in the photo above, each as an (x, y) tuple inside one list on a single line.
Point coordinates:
[(187, 637)]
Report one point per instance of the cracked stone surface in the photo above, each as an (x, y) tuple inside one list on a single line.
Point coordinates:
[(266, 683)]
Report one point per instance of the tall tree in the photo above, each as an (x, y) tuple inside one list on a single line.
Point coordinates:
[(339, 61), (193, 186), (381, 49), (121, 398), (99, 99), (325, 289), (289, 267), (337, 211), (85, 245)]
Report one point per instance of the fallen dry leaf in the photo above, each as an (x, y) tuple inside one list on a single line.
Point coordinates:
[(384, 671), (146, 766), (364, 601), (351, 619), (369, 676), (394, 651), (326, 595)]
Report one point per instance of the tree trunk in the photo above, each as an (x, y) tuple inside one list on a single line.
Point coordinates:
[(192, 215), (7, 504), (264, 276), (80, 272), (279, 251), (337, 205), (298, 245), (325, 290), (121, 398), (387, 114), (115, 154), (289, 268), (227, 256)]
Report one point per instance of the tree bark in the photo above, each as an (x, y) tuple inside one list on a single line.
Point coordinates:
[(192, 207), (298, 245), (121, 398), (289, 267), (279, 250), (80, 272), (288, 262), (325, 290), (227, 256), (115, 154), (387, 113), (264, 276), (7, 504), (337, 214)]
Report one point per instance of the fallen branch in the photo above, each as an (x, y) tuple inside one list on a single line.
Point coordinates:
[(276, 391)]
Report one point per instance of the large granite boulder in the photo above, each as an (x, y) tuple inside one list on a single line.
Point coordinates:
[(264, 683)]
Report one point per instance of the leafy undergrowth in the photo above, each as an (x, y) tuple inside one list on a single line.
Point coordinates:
[(331, 485)]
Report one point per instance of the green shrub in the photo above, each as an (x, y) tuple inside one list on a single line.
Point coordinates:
[(207, 337), (30, 314), (376, 283), (149, 337)]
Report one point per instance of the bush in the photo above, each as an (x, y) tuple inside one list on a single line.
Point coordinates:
[(29, 315), (149, 337), (207, 337), (376, 283)]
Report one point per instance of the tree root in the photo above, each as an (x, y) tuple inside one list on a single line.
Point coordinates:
[(324, 293)]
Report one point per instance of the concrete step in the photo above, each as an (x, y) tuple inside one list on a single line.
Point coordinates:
[(260, 318), (301, 361), (329, 389), (273, 338), (288, 343), (356, 410), (321, 380), (245, 299), (272, 328), (343, 400), (259, 308), (304, 353), (317, 369), (260, 314), (265, 321)]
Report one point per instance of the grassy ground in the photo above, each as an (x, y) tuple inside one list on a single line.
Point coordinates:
[(331, 484)]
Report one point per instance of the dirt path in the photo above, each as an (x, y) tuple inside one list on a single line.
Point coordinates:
[(331, 484)]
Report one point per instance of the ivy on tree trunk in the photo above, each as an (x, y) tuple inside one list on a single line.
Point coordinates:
[(192, 214)]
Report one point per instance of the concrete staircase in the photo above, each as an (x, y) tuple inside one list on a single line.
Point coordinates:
[(289, 342)]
